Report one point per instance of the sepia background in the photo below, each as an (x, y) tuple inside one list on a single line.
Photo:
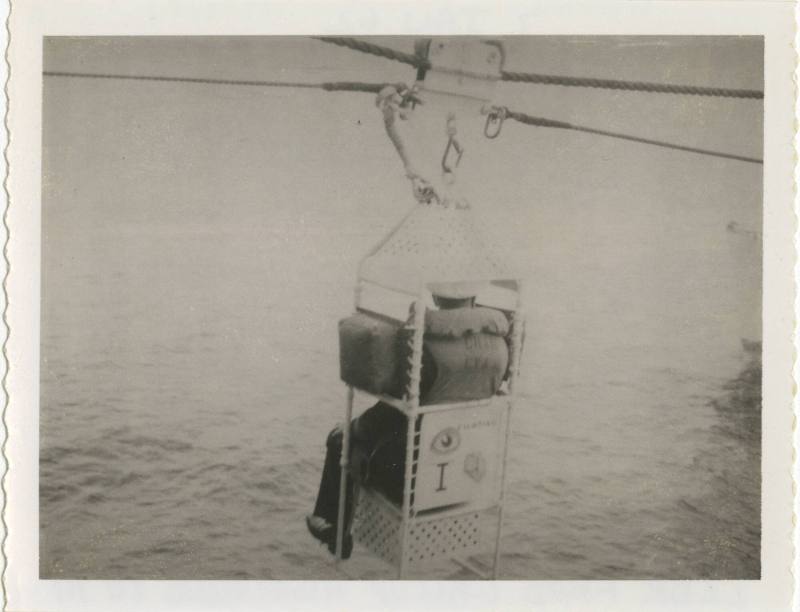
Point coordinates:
[(200, 244)]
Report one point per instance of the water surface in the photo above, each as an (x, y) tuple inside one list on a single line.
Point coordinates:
[(191, 293)]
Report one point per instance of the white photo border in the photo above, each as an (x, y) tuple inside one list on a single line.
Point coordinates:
[(31, 20)]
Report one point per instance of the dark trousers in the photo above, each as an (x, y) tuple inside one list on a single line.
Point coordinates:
[(377, 455)]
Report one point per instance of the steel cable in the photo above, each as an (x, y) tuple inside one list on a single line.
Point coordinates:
[(640, 86), (550, 79), (358, 86), (377, 50), (326, 86), (563, 125)]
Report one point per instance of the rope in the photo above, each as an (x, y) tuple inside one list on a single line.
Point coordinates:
[(378, 50), (550, 79), (550, 123), (329, 86)]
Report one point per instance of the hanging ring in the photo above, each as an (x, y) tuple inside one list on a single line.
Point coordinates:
[(494, 123)]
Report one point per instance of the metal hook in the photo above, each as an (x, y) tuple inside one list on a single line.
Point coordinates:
[(452, 143), (409, 97)]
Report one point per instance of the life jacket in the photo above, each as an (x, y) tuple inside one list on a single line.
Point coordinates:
[(467, 349), (465, 355)]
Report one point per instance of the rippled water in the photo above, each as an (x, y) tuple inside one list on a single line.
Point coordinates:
[(189, 351), (182, 434)]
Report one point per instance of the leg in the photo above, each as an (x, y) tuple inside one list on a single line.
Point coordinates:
[(373, 425), (383, 445), (328, 496)]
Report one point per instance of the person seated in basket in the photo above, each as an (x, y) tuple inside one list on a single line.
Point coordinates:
[(465, 357)]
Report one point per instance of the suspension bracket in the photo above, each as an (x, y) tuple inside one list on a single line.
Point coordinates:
[(467, 69)]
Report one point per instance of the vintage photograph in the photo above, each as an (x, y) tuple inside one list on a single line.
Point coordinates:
[(337, 308)]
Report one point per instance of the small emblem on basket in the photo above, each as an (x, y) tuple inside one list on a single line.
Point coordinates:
[(475, 466), (446, 441)]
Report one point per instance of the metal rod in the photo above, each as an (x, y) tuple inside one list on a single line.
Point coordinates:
[(344, 464), (516, 342), (501, 505), (465, 510), (406, 516), (412, 399)]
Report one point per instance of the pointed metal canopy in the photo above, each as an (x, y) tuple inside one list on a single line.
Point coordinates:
[(436, 246)]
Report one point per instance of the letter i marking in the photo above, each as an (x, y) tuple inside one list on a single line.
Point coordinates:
[(441, 467)]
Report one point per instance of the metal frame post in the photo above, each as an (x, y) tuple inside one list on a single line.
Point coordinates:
[(344, 460), (344, 467), (518, 321), (412, 401)]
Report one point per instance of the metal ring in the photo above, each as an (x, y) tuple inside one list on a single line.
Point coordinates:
[(494, 117)]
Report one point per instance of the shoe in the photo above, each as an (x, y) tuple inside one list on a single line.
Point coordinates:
[(323, 531)]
